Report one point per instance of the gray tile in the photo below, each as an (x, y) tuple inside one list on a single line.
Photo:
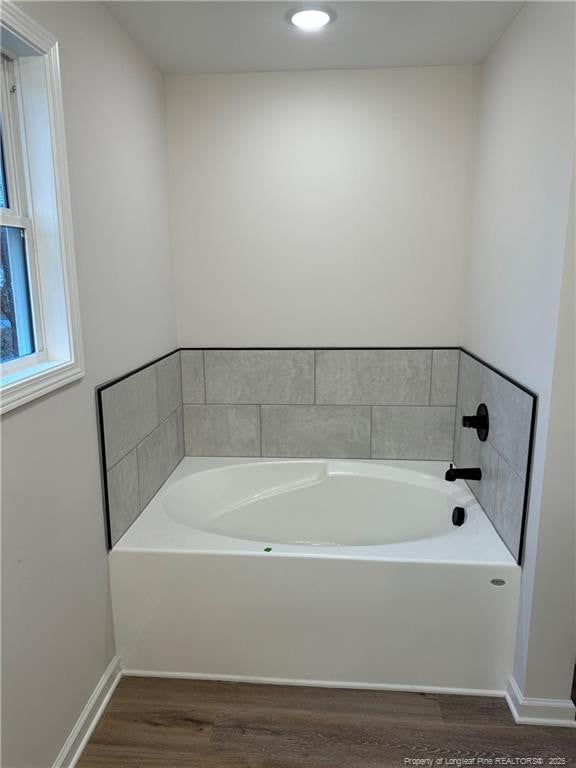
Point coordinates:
[(418, 432), (510, 410), (157, 457), (130, 410), (485, 489), (123, 502), (222, 430), (180, 433), (373, 376), (444, 376), (457, 434), (509, 506), (316, 431), (192, 361), (468, 445), (169, 385), (469, 384), (259, 376)]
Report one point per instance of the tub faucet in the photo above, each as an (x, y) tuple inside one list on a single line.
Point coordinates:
[(464, 473)]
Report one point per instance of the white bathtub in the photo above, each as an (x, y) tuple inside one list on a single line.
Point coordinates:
[(325, 572)]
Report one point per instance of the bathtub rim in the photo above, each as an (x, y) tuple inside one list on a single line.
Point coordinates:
[(140, 537)]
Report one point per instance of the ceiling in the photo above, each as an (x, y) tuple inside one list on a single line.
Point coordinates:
[(199, 37)]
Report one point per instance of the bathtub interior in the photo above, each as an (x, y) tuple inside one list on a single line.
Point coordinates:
[(315, 503)]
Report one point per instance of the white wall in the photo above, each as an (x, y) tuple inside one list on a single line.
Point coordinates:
[(525, 151), (57, 624), (553, 571), (314, 208)]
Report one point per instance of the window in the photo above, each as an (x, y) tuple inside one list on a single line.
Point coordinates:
[(40, 347), (17, 337), (19, 323)]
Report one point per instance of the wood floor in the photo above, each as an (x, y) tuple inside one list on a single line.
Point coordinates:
[(174, 723)]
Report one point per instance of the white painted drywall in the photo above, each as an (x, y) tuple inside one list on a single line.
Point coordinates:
[(525, 151), (57, 622), (554, 568), (312, 208)]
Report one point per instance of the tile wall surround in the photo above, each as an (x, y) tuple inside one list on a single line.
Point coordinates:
[(142, 438), (505, 456), (331, 403), (304, 403)]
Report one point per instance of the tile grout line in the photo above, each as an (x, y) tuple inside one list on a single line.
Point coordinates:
[(139, 443), (506, 461), (142, 506), (327, 405)]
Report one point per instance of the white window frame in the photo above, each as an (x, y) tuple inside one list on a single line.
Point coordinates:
[(39, 199)]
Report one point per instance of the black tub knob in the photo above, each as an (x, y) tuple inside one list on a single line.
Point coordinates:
[(480, 422), (458, 516)]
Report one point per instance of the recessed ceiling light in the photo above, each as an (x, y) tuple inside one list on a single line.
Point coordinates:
[(310, 19)]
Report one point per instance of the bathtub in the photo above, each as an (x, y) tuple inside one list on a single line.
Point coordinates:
[(320, 572)]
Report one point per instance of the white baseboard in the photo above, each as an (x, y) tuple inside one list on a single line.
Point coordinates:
[(78, 738), (560, 712), (313, 683)]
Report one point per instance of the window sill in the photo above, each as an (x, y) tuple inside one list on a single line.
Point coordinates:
[(23, 386)]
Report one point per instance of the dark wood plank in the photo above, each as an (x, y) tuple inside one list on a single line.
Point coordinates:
[(372, 746), (233, 697), (475, 709), (174, 723)]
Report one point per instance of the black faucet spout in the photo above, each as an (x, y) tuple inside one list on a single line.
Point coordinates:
[(463, 473)]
